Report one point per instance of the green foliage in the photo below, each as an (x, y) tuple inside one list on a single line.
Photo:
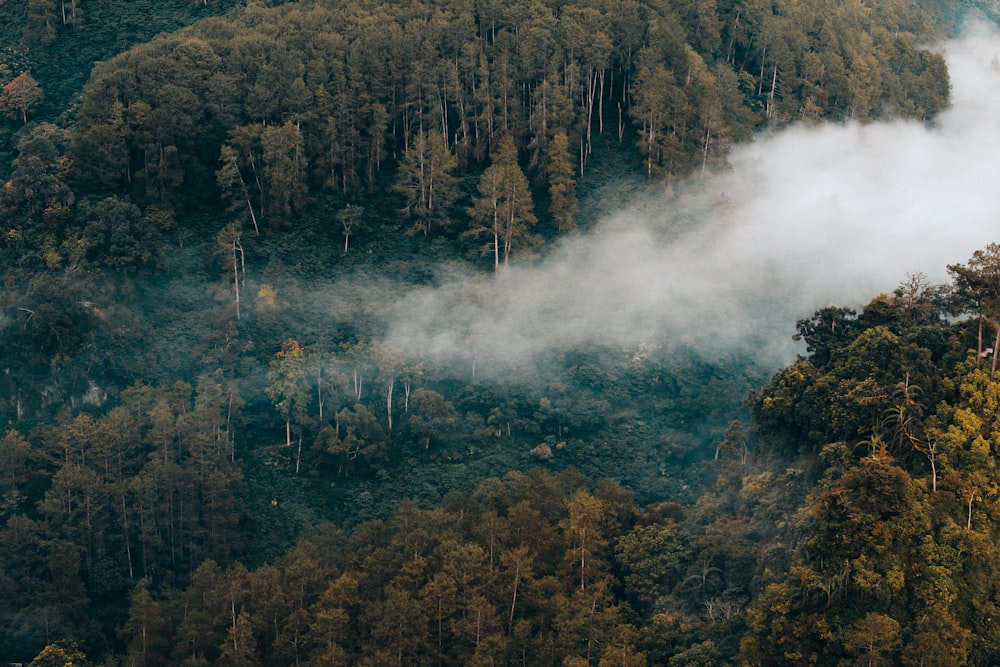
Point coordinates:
[(147, 510), (650, 557), (504, 211)]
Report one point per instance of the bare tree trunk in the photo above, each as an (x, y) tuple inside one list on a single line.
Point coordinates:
[(979, 343), (933, 459), (232, 606), (996, 347), (236, 274), (388, 403), (319, 390), (253, 216), (770, 95), (128, 543), (513, 601), (600, 103), (704, 150)]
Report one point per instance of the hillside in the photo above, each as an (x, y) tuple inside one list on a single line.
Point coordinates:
[(233, 437)]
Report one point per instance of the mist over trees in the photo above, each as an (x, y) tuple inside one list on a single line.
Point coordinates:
[(215, 452)]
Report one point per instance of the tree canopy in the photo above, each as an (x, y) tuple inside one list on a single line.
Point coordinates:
[(211, 454)]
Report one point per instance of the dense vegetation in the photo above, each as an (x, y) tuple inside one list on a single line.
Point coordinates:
[(214, 453)]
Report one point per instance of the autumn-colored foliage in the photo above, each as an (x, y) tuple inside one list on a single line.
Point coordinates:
[(19, 96)]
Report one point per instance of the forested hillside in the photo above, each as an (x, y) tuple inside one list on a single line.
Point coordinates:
[(216, 452)]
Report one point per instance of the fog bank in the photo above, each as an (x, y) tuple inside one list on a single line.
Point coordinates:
[(806, 217)]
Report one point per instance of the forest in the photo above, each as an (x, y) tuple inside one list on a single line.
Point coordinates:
[(219, 448)]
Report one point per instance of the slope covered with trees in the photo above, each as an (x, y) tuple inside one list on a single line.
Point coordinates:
[(854, 520), (204, 462)]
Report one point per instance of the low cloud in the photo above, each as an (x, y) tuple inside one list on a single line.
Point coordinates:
[(807, 217)]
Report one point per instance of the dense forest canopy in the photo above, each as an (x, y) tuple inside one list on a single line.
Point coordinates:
[(217, 451)]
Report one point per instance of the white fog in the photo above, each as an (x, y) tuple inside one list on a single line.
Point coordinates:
[(807, 217)]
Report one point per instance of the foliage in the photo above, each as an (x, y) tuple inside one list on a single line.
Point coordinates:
[(183, 481), (19, 96)]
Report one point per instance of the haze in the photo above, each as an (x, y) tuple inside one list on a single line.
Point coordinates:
[(806, 217)]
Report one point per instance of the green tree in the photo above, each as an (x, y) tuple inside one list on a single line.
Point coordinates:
[(504, 208), (349, 218), (288, 384), (15, 457), (650, 555), (432, 418), (146, 632), (562, 190), (285, 168), (231, 182), (873, 640), (362, 436), (116, 234), (37, 199), (331, 630), (977, 289), (586, 537), (826, 330), (42, 25), (426, 179), (659, 107), (240, 646), (229, 245)]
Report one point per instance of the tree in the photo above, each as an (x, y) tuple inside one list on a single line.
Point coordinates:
[(37, 197), (650, 557), (585, 532), (504, 209), (240, 647), (390, 361), (244, 154), (230, 246), (40, 28), (408, 375), (562, 191), (330, 630), (349, 218), (284, 169), (288, 384), (939, 641), (146, 628), (116, 234), (230, 181), (703, 654), (872, 639), (427, 181), (828, 329), (60, 654), (15, 454), (977, 289), (658, 107), (363, 435), (433, 416)]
